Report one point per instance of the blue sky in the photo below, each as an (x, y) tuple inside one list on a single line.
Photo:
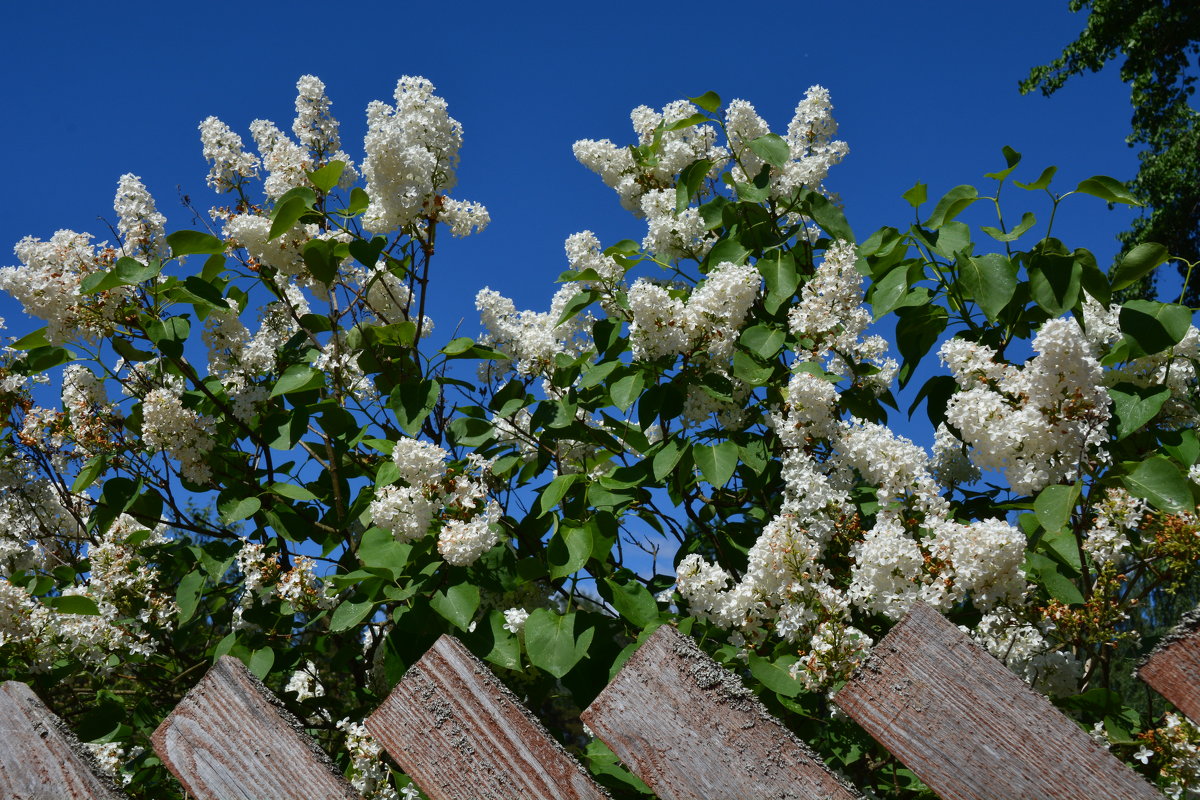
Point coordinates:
[(923, 91)]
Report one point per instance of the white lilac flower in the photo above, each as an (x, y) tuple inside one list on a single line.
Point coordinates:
[(402, 510), (1040, 424), (180, 432), (314, 126), (462, 542), (141, 228), (514, 619), (464, 216), (531, 339), (412, 154), (421, 464), (305, 682), (47, 285), (368, 774), (286, 162), (231, 165)]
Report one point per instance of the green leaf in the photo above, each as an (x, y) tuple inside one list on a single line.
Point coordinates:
[(1107, 189), (126, 272), (774, 675), (1011, 158), (506, 647), (634, 602), (1054, 281), (578, 303), (1160, 482), (204, 292), (367, 253), (762, 340), (31, 340), (186, 243), (1042, 182), (1027, 221), (990, 280), (260, 662), (554, 492), (627, 389), (1152, 327), (73, 604), (327, 176), (917, 195), (292, 491), (169, 335), (358, 203), (771, 148), (91, 470), (887, 292), (781, 276), (1134, 406), (569, 550), (686, 122), (690, 180), (551, 643), (380, 550), (667, 458), (238, 508), (1047, 572), (727, 250), (289, 209), (1136, 263), (187, 594), (709, 101), (916, 331), (319, 258), (348, 614), (716, 462), (953, 203), (826, 214), (413, 402), (298, 378), (1053, 506), (457, 604)]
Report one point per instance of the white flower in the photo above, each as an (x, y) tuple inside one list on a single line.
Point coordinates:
[(286, 162), (314, 126), (412, 154), (514, 619), (1144, 754), (231, 165), (140, 226), (182, 433)]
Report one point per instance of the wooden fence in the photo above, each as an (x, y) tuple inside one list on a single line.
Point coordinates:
[(949, 711)]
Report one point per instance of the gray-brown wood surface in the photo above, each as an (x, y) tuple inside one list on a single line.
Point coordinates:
[(690, 729), (970, 728), (39, 758), (460, 734), (1173, 669), (230, 739)]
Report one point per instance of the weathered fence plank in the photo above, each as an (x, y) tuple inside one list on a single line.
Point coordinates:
[(970, 728), (1173, 668), (460, 733), (690, 729), (231, 739), (39, 758)]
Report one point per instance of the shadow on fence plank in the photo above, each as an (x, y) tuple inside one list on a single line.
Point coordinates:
[(1173, 668)]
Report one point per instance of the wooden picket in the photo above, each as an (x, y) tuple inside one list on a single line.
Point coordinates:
[(953, 714), (1173, 668), (39, 758), (720, 741), (459, 732), (971, 729), (230, 738)]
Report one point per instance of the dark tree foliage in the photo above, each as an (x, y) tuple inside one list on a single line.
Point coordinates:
[(1159, 41)]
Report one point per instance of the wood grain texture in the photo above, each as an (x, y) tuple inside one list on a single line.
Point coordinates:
[(231, 739), (460, 733), (970, 728), (1173, 668), (39, 758), (690, 729)]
